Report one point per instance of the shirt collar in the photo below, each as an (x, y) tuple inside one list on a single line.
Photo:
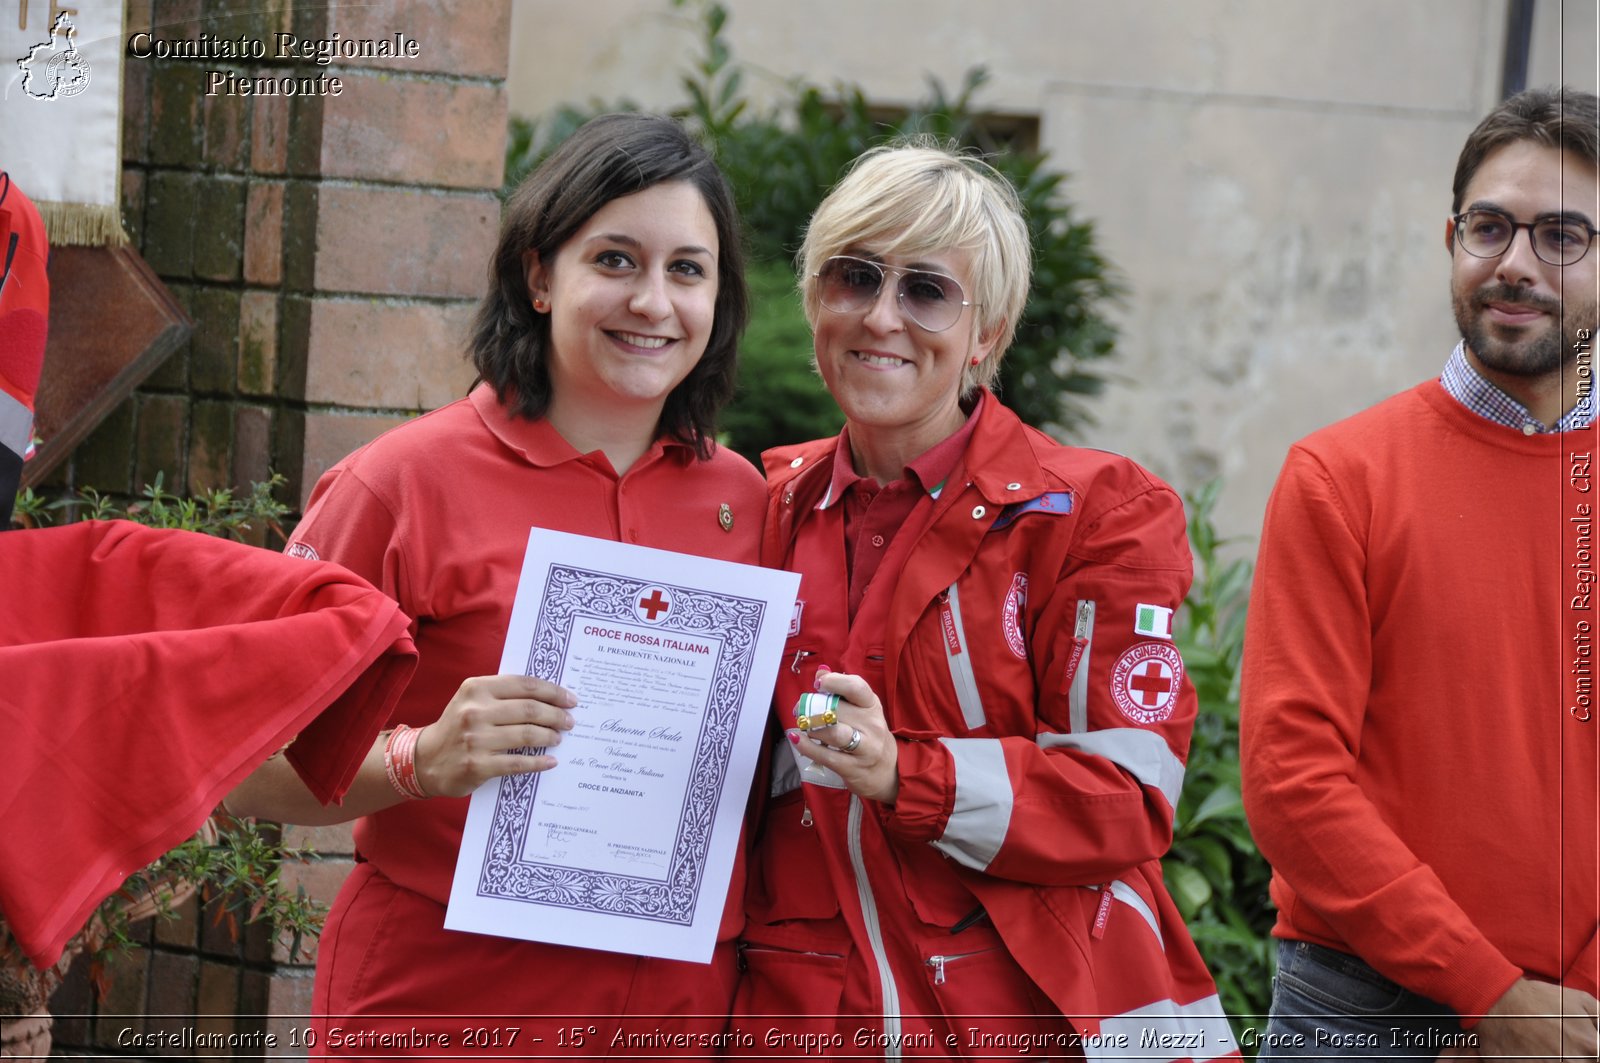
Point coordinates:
[(1462, 381), (538, 441), (930, 469)]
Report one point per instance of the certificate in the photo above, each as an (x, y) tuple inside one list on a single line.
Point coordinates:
[(628, 843)]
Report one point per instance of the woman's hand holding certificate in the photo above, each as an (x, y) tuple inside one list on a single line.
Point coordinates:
[(485, 727)]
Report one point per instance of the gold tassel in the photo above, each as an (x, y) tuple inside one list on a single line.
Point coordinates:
[(82, 224)]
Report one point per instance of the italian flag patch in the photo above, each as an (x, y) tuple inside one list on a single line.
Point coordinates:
[(1152, 620)]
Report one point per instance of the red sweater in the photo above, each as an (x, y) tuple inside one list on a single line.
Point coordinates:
[(1417, 659)]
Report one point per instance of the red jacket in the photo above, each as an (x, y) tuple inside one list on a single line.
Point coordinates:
[(24, 322), (1042, 741)]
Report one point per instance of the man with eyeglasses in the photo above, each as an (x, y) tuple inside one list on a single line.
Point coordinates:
[(1419, 747)]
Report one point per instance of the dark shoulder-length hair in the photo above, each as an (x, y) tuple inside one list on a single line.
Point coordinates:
[(612, 156)]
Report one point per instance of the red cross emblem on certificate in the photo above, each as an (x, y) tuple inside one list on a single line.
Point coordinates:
[(653, 605), (1145, 681)]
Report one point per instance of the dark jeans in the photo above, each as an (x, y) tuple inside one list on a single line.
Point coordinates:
[(1330, 1005)]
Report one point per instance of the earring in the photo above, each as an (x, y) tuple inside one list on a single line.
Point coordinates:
[(539, 305), (975, 358)]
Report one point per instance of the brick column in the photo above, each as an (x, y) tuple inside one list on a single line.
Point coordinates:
[(365, 260), (388, 218), (331, 250)]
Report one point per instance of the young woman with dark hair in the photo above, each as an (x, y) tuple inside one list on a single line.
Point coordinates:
[(605, 346)]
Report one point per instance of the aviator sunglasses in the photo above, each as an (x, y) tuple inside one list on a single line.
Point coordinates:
[(934, 301)]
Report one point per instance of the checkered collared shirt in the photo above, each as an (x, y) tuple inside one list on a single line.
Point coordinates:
[(1468, 387)]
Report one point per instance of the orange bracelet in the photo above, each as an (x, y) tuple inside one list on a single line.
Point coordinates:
[(400, 762)]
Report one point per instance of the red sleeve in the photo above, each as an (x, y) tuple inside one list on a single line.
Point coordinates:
[(162, 668), (1089, 791), (348, 521), (1303, 702)]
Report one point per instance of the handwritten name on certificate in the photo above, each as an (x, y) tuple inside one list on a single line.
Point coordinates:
[(628, 843)]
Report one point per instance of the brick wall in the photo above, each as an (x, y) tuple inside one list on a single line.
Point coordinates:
[(330, 250)]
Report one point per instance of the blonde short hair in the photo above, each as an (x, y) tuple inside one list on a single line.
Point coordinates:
[(918, 196)]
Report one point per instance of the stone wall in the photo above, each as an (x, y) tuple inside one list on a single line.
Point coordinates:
[(329, 248), (1270, 179)]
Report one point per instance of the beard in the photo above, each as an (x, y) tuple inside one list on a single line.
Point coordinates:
[(1524, 352)]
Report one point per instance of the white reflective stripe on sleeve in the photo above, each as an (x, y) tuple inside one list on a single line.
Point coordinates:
[(981, 814), (1143, 754), (959, 658), (1165, 1032), (16, 424), (1078, 694)]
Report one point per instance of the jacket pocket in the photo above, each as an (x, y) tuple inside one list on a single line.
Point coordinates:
[(989, 1000), (1119, 900), (937, 894), (789, 871), (787, 993)]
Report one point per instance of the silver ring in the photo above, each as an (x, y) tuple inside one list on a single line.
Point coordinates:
[(855, 740)]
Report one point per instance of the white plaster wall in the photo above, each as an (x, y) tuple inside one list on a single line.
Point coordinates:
[(1564, 43), (1271, 177)]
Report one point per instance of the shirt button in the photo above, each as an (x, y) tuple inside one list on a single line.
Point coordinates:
[(796, 463), (1013, 487), (978, 512), (1528, 429), (877, 540)]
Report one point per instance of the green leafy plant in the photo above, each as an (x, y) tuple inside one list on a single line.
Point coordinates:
[(236, 865), (217, 512), (1215, 873), (781, 398)]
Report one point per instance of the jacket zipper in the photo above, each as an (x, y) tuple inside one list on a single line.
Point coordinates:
[(745, 946), (869, 914), (954, 636), (1102, 914), (938, 962), (1120, 890), (794, 666), (1078, 693)]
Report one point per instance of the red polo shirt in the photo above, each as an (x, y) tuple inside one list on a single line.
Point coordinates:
[(436, 514), (874, 512)]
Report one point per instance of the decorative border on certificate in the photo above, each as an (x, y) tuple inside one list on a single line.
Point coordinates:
[(655, 615)]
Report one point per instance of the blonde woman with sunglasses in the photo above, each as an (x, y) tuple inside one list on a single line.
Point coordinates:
[(960, 853)]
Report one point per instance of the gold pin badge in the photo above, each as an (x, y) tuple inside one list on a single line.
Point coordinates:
[(725, 517)]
